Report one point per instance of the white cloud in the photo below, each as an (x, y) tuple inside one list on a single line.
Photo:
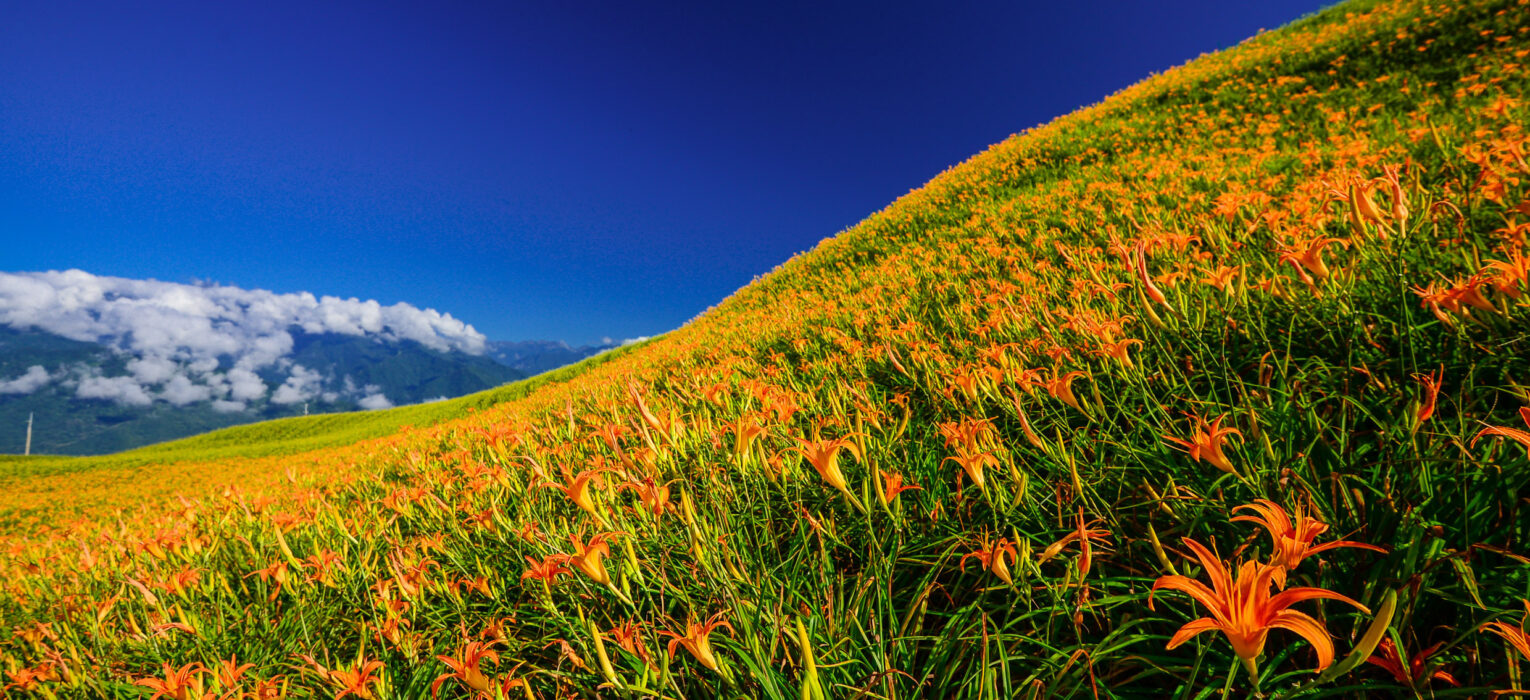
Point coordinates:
[(32, 380), (180, 391), (123, 390), (222, 406), (152, 370), (372, 402), (302, 385), (177, 336), (245, 385)]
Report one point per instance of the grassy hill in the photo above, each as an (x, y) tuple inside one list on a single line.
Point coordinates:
[(44, 488), (1035, 430)]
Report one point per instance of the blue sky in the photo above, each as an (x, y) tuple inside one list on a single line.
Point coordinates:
[(559, 170)]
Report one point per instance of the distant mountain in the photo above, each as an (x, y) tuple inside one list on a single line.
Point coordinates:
[(537, 356), (87, 399), (109, 363)]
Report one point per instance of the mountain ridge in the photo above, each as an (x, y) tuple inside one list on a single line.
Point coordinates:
[(337, 373)]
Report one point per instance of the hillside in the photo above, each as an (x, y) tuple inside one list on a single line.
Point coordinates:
[(949, 453)]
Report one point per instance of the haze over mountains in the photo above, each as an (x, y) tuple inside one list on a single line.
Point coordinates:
[(108, 363)]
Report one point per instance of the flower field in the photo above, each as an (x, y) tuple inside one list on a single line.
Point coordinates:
[(1217, 387)]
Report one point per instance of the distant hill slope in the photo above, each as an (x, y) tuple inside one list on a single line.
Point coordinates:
[(537, 356), (1187, 394), (349, 373)]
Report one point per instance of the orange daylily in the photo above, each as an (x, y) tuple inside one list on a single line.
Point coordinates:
[(745, 430), (1118, 350), (1417, 670), (1512, 278), (892, 485), (578, 490), (1307, 256), (464, 667), (1139, 266), (1206, 443), (182, 683), (354, 681), (1082, 534), (548, 570), (1222, 277), (991, 556), (655, 496), (628, 636), (698, 640), (1244, 611), (1515, 636), (1516, 435), (29, 678), (967, 435), (824, 456), (588, 557), (1431, 384), (1292, 535), (973, 465), (229, 671), (1060, 387)]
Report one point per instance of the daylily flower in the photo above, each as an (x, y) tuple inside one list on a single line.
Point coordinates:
[(1516, 435), (666, 427), (229, 671), (548, 570), (1060, 387), (1206, 443), (967, 435), (824, 456), (745, 430), (1511, 278), (1222, 277), (1292, 535), (464, 667), (1431, 384), (1399, 200), (578, 490), (588, 557), (1082, 534), (892, 485), (697, 640), (655, 496), (182, 683), (1515, 636), (356, 681), (1307, 256), (991, 556), (628, 636), (1139, 266), (1416, 672), (973, 465), (1244, 611), (1118, 351), (29, 678)]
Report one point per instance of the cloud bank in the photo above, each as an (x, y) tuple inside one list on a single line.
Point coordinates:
[(32, 380), (190, 343)]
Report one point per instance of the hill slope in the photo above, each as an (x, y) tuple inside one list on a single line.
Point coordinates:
[(1288, 271), (537, 356)]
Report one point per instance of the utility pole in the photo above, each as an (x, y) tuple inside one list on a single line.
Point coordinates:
[(29, 435)]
